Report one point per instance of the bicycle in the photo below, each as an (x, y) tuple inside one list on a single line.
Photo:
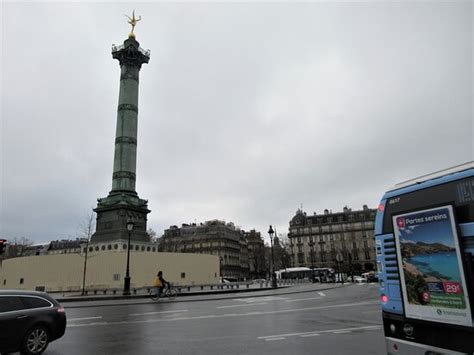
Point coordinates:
[(168, 291)]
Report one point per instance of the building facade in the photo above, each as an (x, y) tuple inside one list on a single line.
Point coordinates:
[(215, 238), (256, 254), (321, 240)]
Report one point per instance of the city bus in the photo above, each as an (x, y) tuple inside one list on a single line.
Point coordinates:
[(424, 232), (320, 274)]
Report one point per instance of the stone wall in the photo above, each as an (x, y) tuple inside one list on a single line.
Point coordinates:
[(64, 272)]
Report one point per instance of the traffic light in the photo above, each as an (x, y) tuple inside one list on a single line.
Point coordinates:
[(3, 244)]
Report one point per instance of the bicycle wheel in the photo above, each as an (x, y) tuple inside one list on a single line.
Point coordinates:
[(172, 293), (154, 295)]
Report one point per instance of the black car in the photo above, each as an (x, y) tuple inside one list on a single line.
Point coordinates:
[(29, 321)]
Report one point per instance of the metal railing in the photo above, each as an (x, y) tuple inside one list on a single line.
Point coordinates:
[(182, 289)]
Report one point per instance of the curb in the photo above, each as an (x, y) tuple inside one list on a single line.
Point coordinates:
[(134, 297)]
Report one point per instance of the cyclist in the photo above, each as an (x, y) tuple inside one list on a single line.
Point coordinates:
[(160, 283)]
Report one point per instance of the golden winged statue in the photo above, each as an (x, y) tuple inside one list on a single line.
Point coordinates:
[(133, 21)]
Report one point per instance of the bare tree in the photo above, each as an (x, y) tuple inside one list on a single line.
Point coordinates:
[(152, 234), (86, 228), (17, 247)]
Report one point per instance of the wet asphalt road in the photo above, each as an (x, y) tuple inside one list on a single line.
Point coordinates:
[(343, 320)]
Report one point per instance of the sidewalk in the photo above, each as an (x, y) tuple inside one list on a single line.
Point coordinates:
[(144, 294), (110, 300)]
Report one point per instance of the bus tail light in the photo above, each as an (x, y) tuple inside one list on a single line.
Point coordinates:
[(384, 299), (381, 207)]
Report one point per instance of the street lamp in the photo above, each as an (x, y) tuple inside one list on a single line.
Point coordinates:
[(272, 269), (311, 246), (339, 260), (126, 286)]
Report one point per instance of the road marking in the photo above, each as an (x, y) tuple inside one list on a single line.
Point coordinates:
[(304, 299), (161, 312), (275, 339), (342, 332), (322, 294), (215, 316), (85, 318), (86, 324), (260, 299), (370, 327), (310, 335), (243, 305), (373, 311)]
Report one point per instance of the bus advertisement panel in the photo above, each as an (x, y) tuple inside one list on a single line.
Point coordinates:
[(432, 277)]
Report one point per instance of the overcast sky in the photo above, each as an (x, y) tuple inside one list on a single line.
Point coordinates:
[(246, 110)]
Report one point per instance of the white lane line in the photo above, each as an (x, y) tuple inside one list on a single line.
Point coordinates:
[(85, 318), (156, 320), (243, 305), (370, 327), (373, 311), (342, 332), (322, 294), (304, 299), (310, 335), (86, 324), (275, 339), (259, 299), (152, 313)]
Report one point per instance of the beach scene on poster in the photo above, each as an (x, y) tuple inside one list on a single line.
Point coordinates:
[(433, 278)]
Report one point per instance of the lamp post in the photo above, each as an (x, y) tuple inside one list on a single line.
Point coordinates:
[(126, 286), (311, 247), (339, 260), (272, 269)]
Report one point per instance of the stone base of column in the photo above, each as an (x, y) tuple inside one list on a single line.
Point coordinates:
[(113, 213)]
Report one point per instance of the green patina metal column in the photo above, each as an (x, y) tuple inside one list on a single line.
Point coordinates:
[(123, 204), (131, 58)]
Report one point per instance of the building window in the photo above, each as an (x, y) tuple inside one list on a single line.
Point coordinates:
[(4, 282), (153, 249), (124, 246), (22, 281), (354, 245), (103, 247), (109, 247), (301, 258), (137, 247), (116, 277), (97, 248), (83, 250), (367, 255), (115, 246), (143, 248), (148, 248), (183, 275)]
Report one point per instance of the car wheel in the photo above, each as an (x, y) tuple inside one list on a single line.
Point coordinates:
[(35, 341)]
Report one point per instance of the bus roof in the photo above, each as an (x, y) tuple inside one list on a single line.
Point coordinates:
[(438, 174)]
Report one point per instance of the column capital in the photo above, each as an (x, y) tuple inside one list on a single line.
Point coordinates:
[(130, 53)]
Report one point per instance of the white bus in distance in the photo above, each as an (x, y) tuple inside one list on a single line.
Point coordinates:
[(305, 273)]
